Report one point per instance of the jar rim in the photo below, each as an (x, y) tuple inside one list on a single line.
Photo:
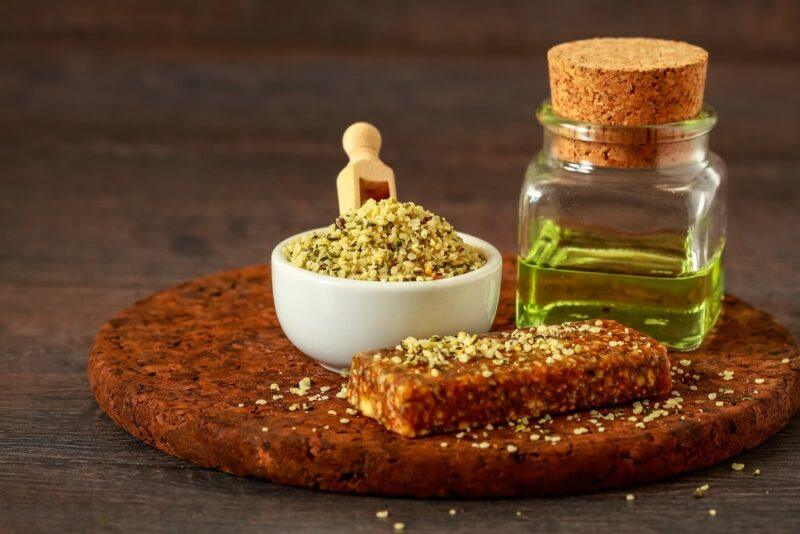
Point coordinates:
[(685, 130)]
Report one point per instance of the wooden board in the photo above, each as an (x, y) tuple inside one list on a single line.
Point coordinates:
[(183, 370)]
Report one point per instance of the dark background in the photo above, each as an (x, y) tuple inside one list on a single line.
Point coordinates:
[(143, 143)]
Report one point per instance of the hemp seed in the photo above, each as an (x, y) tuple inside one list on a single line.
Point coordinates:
[(386, 241), (727, 375)]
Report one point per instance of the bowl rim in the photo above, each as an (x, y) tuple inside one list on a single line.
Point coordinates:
[(494, 261)]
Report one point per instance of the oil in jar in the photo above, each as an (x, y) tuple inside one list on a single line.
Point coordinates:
[(571, 275)]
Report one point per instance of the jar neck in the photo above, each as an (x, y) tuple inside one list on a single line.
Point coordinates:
[(649, 146)]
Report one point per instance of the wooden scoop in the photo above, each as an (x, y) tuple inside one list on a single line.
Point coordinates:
[(366, 176)]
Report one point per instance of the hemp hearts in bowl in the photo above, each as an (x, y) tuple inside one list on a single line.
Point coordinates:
[(386, 241), (330, 285)]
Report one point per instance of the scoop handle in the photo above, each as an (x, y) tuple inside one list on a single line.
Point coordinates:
[(361, 141), (365, 176)]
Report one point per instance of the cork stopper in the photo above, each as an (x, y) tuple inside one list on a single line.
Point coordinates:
[(625, 82)]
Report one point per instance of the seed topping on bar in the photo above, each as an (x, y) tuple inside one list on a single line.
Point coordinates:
[(544, 344)]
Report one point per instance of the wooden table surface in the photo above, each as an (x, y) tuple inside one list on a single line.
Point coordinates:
[(141, 146)]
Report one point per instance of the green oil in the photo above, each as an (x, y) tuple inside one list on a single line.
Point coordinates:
[(644, 282)]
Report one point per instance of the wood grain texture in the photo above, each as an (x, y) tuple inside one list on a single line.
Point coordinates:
[(146, 144), (739, 27)]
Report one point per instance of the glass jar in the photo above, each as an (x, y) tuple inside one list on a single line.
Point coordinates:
[(626, 223)]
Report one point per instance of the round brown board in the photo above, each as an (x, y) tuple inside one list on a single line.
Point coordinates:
[(183, 369)]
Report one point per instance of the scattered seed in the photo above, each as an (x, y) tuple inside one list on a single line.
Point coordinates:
[(737, 466), (302, 387), (382, 514), (727, 375)]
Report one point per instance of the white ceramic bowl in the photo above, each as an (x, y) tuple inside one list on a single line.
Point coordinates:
[(331, 319)]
